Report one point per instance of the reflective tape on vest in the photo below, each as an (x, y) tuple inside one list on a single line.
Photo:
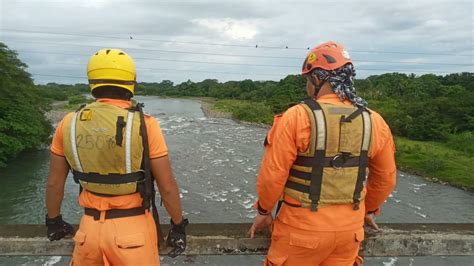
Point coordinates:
[(367, 131), (128, 143), (73, 142), (321, 130)]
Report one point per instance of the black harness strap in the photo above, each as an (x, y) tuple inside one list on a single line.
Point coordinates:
[(107, 179), (339, 161), (351, 117), (299, 174), (149, 193), (318, 164), (280, 204), (363, 163), (114, 213), (298, 187), (80, 107), (119, 130)]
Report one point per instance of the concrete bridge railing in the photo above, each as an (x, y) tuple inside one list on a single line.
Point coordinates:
[(231, 239)]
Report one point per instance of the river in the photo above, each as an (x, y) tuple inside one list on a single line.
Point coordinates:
[(216, 161)]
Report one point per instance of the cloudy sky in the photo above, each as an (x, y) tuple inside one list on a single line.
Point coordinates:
[(235, 40)]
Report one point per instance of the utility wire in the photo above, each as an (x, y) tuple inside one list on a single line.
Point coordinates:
[(188, 70), (241, 64), (273, 74), (213, 72), (168, 51), (151, 40), (131, 38)]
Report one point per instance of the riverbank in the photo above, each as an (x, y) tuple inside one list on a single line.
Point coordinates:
[(434, 161), (58, 111), (243, 112), (207, 107)]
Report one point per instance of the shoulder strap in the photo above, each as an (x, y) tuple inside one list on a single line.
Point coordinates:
[(364, 157), (319, 154), (149, 194), (351, 117)]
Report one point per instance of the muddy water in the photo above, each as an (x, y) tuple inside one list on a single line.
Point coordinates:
[(216, 161)]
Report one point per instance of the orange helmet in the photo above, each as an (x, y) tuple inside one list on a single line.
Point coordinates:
[(328, 56)]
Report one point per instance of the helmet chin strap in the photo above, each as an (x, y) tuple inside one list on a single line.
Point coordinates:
[(317, 87)]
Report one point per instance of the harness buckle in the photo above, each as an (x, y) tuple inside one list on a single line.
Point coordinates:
[(338, 161)]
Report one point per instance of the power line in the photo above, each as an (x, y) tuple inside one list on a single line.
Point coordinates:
[(131, 38), (170, 51), (243, 64), (273, 74), (155, 40), (216, 72), (169, 60), (181, 71)]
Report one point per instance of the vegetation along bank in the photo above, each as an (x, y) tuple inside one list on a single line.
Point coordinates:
[(431, 116)]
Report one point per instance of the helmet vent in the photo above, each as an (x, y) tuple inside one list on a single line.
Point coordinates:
[(121, 53), (329, 58), (107, 52)]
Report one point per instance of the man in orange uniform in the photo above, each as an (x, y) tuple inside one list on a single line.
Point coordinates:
[(315, 161), (113, 151)]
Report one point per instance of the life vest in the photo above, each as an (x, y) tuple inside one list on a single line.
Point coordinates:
[(333, 168), (104, 148)]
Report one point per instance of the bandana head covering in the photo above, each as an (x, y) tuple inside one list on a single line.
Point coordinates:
[(342, 83)]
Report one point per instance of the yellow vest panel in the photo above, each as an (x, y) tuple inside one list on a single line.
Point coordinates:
[(333, 167), (102, 144)]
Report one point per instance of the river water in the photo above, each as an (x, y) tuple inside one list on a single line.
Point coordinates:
[(216, 161)]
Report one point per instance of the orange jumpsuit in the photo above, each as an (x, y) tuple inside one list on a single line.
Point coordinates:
[(332, 235), (119, 241)]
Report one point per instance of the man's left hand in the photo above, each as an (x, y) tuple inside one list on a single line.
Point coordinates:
[(260, 223), (370, 221)]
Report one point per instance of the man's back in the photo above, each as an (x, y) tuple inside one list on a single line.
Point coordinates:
[(291, 134)]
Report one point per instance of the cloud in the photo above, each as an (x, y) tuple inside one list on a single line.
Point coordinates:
[(404, 31), (235, 29)]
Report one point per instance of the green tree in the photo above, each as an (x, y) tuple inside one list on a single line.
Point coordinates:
[(22, 122)]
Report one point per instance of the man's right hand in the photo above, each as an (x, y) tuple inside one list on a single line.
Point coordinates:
[(260, 223), (58, 228), (177, 237)]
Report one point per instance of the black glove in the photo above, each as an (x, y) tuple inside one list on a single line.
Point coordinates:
[(57, 228), (177, 238)]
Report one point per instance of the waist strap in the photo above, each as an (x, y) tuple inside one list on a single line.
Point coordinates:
[(336, 161), (115, 213)]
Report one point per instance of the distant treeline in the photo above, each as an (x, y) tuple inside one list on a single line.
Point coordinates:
[(426, 107)]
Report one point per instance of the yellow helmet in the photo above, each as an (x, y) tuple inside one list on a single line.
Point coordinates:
[(111, 67)]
